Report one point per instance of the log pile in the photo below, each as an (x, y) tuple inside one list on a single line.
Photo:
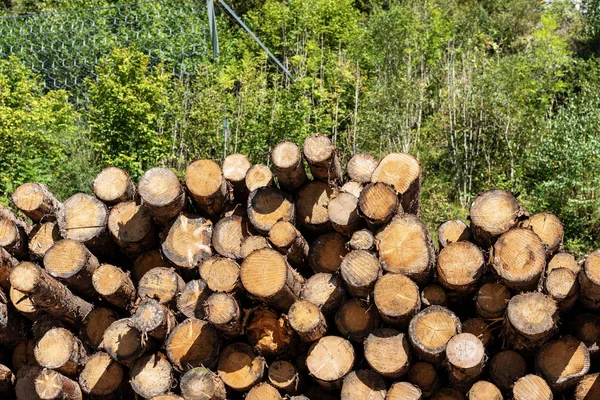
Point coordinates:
[(245, 281)]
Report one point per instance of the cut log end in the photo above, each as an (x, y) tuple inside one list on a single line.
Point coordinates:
[(326, 253), (404, 391), (190, 302), (287, 163), (506, 367), (360, 167), (270, 333), (122, 341), (530, 319), (453, 231), (151, 375), (85, 218), (397, 299), (434, 295), (207, 186), (330, 358), (484, 390), (240, 367), (343, 213), (424, 376), (430, 330), (161, 284), (388, 352), (363, 384), (113, 185), (36, 201), (378, 203), (259, 175), (42, 238), (284, 376), (202, 384), (307, 320), (312, 202), (493, 213), (492, 299), (563, 362), (93, 327), (268, 205), (188, 241), (465, 356), (362, 240), (588, 387), (325, 291), (114, 285), (360, 270), (322, 158), (356, 319), (101, 376), (460, 266), (220, 274), (228, 235), (59, 349), (223, 311), (549, 228), (193, 343), (531, 387), (51, 385), (402, 172)]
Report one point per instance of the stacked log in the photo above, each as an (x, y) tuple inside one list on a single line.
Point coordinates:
[(299, 281)]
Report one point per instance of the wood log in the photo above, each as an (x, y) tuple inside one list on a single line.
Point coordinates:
[(288, 240), (549, 228), (563, 260), (586, 327), (402, 172), (51, 385), (561, 284), (484, 390), (188, 241), (235, 168), (588, 387), (43, 324), (190, 301), (42, 237), (153, 319), (453, 231), (284, 376), (93, 326), (123, 342), (356, 319), (23, 356), (263, 391), (361, 240), (267, 276), (49, 294), (505, 368), (480, 328), (360, 167), (322, 158), (207, 187), (360, 270), (329, 360), (288, 166), (101, 377), (404, 391), (491, 300), (161, 284), (151, 375), (23, 304), (378, 203), (37, 202), (465, 359), (388, 353), (363, 384), (269, 332), (531, 387), (191, 344), (147, 261), (353, 188), (268, 205), (13, 238), (448, 393), (7, 263), (224, 312), (530, 320), (493, 213), (518, 257), (25, 386), (589, 281), (7, 382), (343, 212), (397, 299), (228, 235), (13, 327), (405, 247), (257, 176), (326, 253), (131, 227), (113, 185), (307, 320), (460, 266), (221, 274), (312, 202), (424, 376), (326, 291), (563, 362), (60, 350), (430, 330), (114, 286), (253, 243), (162, 194), (434, 295), (240, 367), (202, 384), (73, 264)]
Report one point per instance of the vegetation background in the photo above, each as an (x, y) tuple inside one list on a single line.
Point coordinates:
[(485, 93)]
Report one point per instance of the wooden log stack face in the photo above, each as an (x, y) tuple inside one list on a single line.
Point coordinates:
[(292, 279)]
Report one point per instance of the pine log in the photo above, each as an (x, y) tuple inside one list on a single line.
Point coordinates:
[(491, 300), (402, 172), (153, 319), (518, 257), (288, 166), (51, 385), (561, 284), (257, 176), (388, 352), (405, 247), (326, 291), (114, 286), (326, 253), (286, 239), (113, 185), (434, 295), (397, 299), (60, 350), (424, 376), (253, 243), (484, 390), (7, 263), (589, 281), (460, 266), (23, 304), (588, 388), (586, 327), (329, 360), (268, 205), (430, 330), (131, 227), (235, 168), (378, 203), (161, 284), (207, 187), (228, 235), (531, 387), (284, 376), (506, 367), (188, 241), (453, 231), (162, 194), (267, 276), (123, 342), (7, 382), (361, 240), (224, 312), (49, 294), (465, 359), (190, 301), (563, 260), (322, 158), (42, 237), (563, 362), (13, 238), (263, 391), (404, 391), (363, 384), (270, 333), (147, 261), (493, 213), (202, 384), (307, 320), (220, 274), (240, 367), (93, 327), (191, 344), (343, 212), (151, 375), (360, 270), (45, 323), (549, 228), (356, 319), (312, 201), (73, 264), (37, 202), (530, 320), (360, 167), (353, 188), (101, 377)]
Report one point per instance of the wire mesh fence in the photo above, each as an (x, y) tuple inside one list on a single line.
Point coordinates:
[(64, 48)]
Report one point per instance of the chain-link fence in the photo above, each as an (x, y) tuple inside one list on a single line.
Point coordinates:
[(64, 48)]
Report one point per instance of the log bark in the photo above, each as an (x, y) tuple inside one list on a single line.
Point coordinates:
[(505, 368), (207, 187), (307, 320), (343, 212), (153, 319), (288, 166), (361, 240), (465, 359), (388, 352), (151, 375), (228, 235), (356, 319), (114, 285), (49, 294), (37, 202), (51, 385), (531, 387), (221, 274), (378, 203), (190, 301), (326, 291), (202, 384), (284, 377), (589, 281), (424, 376), (430, 330), (123, 342), (101, 377), (240, 367), (484, 390), (404, 391), (549, 228), (193, 343), (327, 252), (286, 239), (235, 168), (224, 312), (402, 172), (188, 241), (113, 185), (257, 176), (312, 202), (491, 300), (530, 320), (131, 227), (493, 213), (161, 284), (363, 384), (360, 167), (162, 193), (453, 231), (266, 206), (329, 360), (322, 158), (563, 362), (97, 321), (397, 299), (360, 270), (460, 266), (270, 333), (42, 237), (60, 350)]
